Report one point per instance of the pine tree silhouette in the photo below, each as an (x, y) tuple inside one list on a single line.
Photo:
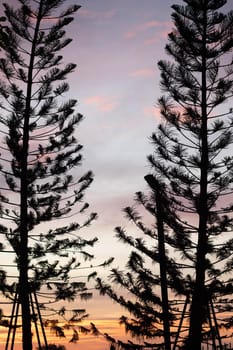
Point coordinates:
[(191, 171), (39, 155)]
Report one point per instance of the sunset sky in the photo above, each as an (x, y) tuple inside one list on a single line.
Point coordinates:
[(116, 46)]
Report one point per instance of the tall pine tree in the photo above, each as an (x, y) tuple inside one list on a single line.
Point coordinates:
[(192, 146), (192, 158), (39, 152)]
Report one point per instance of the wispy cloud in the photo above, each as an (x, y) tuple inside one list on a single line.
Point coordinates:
[(152, 40), (97, 14), (103, 103), (152, 24), (153, 112), (161, 27), (144, 72)]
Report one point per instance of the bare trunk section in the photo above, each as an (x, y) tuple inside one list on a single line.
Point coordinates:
[(24, 288)]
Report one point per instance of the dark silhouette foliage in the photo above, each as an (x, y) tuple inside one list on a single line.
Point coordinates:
[(151, 275), (192, 148), (53, 347), (40, 154), (191, 171)]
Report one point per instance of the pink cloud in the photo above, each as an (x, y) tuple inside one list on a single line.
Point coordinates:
[(165, 33), (130, 35), (152, 40), (144, 72), (152, 24), (103, 103), (153, 112), (97, 15), (163, 28)]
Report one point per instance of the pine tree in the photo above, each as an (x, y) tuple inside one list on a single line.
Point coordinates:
[(39, 152), (162, 206), (192, 145), (192, 161), (150, 274)]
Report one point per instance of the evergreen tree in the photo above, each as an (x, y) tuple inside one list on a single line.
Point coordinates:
[(192, 146), (192, 162), (149, 274), (39, 151)]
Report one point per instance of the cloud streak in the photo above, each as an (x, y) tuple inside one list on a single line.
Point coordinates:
[(97, 15), (102, 103), (143, 28), (143, 72), (152, 112)]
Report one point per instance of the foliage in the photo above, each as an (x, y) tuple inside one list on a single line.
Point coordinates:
[(53, 347), (42, 193), (193, 167), (192, 147)]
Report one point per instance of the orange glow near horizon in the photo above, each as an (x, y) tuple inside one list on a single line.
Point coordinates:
[(85, 342), (109, 326)]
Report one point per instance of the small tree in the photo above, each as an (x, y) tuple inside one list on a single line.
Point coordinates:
[(39, 150), (150, 274)]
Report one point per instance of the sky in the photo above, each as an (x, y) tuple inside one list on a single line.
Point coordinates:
[(116, 46)]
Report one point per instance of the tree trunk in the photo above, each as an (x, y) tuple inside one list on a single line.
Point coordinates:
[(199, 300), (162, 258), (24, 286), (163, 270), (24, 290)]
